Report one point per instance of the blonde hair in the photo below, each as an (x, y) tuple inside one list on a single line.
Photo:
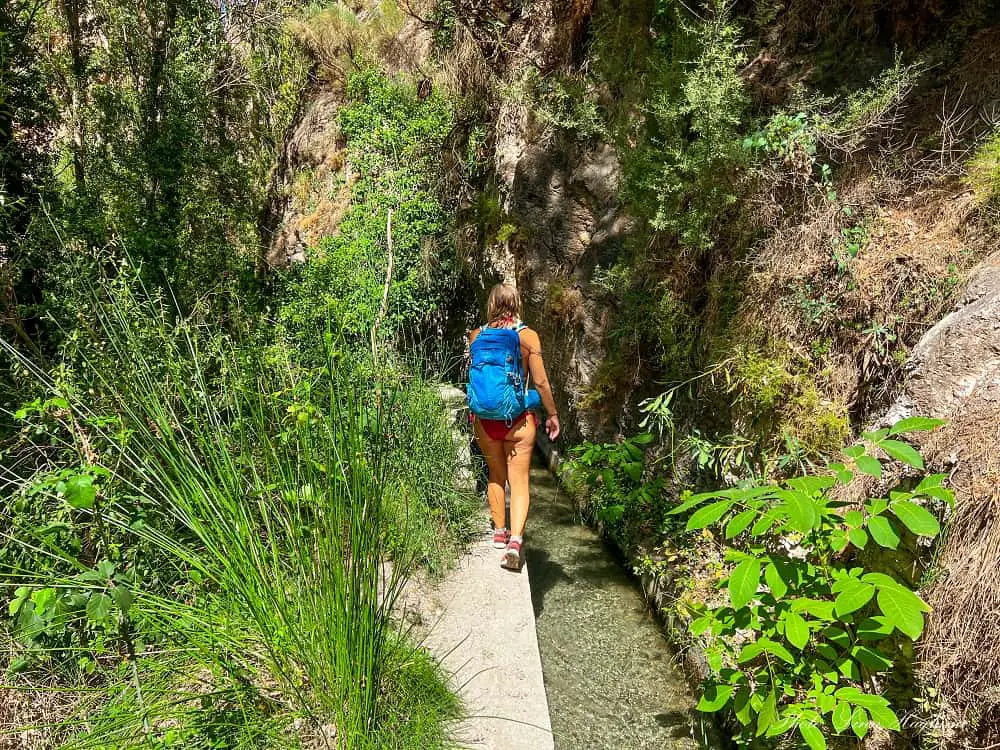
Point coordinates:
[(503, 302)]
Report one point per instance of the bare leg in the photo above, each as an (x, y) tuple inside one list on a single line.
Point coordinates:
[(496, 461), (518, 446)]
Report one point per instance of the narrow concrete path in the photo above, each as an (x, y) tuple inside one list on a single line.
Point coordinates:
[(479, 623)]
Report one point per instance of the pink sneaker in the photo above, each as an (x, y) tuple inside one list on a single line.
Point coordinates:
[(511, 559), (500, 538)]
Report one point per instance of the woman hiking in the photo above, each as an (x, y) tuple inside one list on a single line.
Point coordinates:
[(504, 353)]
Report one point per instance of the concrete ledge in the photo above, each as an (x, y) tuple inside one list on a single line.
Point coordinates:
[(479, 623)]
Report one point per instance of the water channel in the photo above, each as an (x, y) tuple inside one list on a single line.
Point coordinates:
[(611, 678)]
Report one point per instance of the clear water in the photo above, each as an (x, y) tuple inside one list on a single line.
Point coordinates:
[(610, 676)]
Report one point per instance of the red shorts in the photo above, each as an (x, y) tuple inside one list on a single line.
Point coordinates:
[(497, 429)]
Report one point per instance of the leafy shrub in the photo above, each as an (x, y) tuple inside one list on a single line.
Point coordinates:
[(685, 178), (394, 139), (790, 138), (612, 475), (563, 102), (806, 621), (983, 170)]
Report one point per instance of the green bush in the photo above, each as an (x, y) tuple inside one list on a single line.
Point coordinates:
[(685, 178), (610, 475), (807, 623), (394, 141), (983, 171)]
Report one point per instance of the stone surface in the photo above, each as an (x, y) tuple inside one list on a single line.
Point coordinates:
[(479, 623), (956, 364)]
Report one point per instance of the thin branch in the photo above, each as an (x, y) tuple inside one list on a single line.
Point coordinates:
[(383, 308)]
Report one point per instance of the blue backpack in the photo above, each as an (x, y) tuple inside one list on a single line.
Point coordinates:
[(497, 387)]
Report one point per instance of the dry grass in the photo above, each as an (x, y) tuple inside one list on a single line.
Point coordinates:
[(29, 709), (960, 652), (344, 36)]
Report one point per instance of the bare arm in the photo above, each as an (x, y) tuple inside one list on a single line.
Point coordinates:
[(531, 347)]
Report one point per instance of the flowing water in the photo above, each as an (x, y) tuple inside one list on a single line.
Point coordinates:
[(610, 676)]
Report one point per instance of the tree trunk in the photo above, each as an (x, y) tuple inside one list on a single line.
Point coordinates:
[(73, 11)]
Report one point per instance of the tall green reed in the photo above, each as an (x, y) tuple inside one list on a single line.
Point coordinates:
[(267, 488)]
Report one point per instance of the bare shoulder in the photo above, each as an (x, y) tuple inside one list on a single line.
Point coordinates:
[(530, 339)]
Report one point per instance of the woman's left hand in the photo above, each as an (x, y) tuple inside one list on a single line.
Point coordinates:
[(552, 426)]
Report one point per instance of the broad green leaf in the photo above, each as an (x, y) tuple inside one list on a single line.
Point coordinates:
[(780, 726), (827, 651), (903, 452), (841, 717), (883, 532), (741, 706), (838, 636), (839, 540), (916, 518), (796, 630), (766, 714), (743, 582), (693, 501), (874, 628), (715, 698), (633, 470), (875, 436), (699, 625), (880, 580), (853, 597), (858, 537), (763, 524), (855, 519), (856, 697), (871, 658), (825, 702), (884, 717), (870, 466), (774, 581), (931, 481), (876, 505), (813, 737), (79, 491), (714, 658), (915, 424), (644, 438), (941, 493), (123, 598), (99, 607), (904, 609), (854, 451), (801, 510), (709, 514), (845, 476), (849, 668), (105, 569), (749, 652), (859, 722), (773, 647), (818, 608), (738, 523), (811, 484)]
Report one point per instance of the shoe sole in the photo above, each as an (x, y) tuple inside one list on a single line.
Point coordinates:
[(511, 561), (499, 545)]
